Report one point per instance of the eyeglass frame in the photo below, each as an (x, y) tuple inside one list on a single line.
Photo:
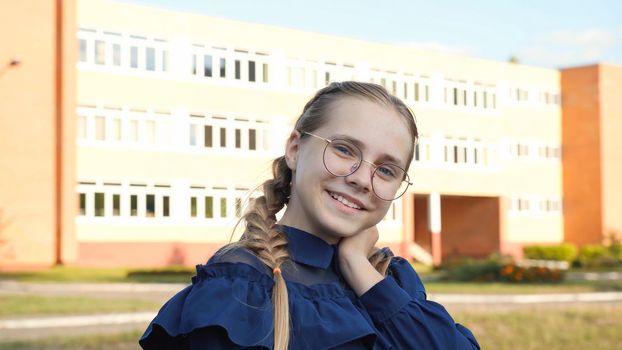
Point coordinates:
[(374, 166)]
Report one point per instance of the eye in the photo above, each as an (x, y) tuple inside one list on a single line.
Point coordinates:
[(344, 150), (386, 171)]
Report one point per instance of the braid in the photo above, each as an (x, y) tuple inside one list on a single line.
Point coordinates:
[(269, 244)]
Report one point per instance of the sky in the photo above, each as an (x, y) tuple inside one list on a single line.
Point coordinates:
[(545, 33)]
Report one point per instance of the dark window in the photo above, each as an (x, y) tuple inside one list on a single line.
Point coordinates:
[(116, 204), (251, 70), (165, 206), (134, 57), (223, 68), (238, 207), (82, 50), (99, 204), (265, 72), (208, 135), (416, 91), (207, 65), (209, 207), (150, 205), (116, 54), (82, 208), (252, 139), (223, 137), (134, 205), (238, 138), (193, 207), (238, 73), (223, 207)]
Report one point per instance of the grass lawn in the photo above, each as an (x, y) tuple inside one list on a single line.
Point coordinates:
[(18, 305), (510, 288), (104, 275), (567, 327)]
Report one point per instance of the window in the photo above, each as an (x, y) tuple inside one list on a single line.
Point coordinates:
[(252, 139), (416, 91), (99, 204), (326, 78), (223, 137), (238, 73), (209, 207), (82, 50), (207, 65), (207, 135), (134, 57), (150, 206), (405, 90), (134, 205), (193, 134), (150, 131), (193, 207), (116, 129), (165, 206), (100, 128), (223, 207), (100, 52), (238, 207), (223, 68), (150, 59), (251, 70), (116, 54), (116, 204), (265, 72), (165, 61), (134, 130), (82, 201), (238, 138)]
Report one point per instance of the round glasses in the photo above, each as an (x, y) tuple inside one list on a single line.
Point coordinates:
[(342, 158)]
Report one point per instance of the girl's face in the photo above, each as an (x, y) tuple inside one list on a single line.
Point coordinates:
[(381, 134)]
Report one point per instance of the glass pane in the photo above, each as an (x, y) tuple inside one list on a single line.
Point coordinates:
[(223, 137), (100, 52), (193, 207), (251, 70), (165, 206), (82, 205), (252, 142), (265, 72), (99, 204), (238, 72), (100, 128), (238, 138), (82, 50), (150, 207), (116, 129), (207, 65), (238, 207), (151, 131), (134, 130), (193, 135), (134, 57), (223, 68), (116, 204), (116, 54), (209, 207), (165, 61), (150, 59), (207, 135), (223, 207), (134, 205)]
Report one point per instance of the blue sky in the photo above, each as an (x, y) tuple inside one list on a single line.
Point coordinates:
[(553, 34)]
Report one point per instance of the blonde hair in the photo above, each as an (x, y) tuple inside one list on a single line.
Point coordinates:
[(261, 235)]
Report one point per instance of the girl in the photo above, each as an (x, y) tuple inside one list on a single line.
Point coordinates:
[(313, 280)]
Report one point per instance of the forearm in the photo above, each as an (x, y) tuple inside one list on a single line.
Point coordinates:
[(359, 273)]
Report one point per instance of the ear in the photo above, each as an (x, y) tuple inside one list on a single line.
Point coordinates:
[(292, 147)]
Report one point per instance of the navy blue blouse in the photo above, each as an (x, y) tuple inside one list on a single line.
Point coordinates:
[(228, 306)]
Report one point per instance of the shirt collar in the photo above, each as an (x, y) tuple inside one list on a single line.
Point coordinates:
[(308, 249)]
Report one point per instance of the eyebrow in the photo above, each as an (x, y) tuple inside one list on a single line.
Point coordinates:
[(385, 157)]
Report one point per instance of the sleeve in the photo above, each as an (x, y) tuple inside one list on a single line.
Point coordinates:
[(404, 317), (228, 305)]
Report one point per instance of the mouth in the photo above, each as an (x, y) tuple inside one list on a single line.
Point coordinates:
[(346, 200)]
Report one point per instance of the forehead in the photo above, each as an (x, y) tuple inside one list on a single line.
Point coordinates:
[(380, 128)]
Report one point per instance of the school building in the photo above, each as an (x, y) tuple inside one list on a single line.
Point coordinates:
[(133, 136)]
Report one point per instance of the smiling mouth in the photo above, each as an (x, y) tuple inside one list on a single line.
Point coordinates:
[(344, 201)]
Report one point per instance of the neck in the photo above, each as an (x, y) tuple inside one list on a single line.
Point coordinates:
[(288, 219)]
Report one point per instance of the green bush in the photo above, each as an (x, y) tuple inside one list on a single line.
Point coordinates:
[(596, 255), (469, 269), (178, 274), (561, 252)]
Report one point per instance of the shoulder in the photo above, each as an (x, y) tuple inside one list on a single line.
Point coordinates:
[(237, 254)]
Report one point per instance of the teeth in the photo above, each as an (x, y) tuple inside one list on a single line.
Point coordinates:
[(344, 201)]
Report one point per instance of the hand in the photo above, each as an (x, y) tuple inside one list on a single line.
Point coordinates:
[(355, 267), (359, 245)]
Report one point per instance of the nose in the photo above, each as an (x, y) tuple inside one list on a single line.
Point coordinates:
[(361, 177)]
